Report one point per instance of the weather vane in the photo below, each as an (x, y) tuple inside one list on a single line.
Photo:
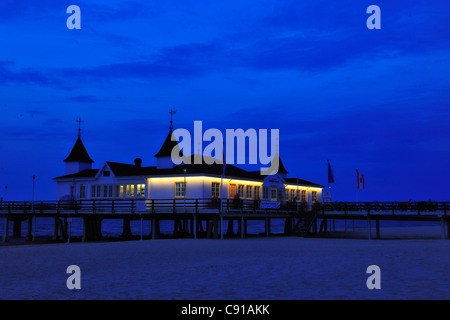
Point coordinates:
[(79, 126), (172, 112)]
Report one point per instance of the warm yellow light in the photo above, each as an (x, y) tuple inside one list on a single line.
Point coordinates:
[(300, 187), (205, 178)]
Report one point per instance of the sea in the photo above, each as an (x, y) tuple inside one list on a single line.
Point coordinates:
[(113, 228)]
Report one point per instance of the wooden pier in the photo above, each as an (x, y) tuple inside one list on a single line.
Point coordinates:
[(189, 216)]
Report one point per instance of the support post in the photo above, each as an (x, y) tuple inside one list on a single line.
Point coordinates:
[(194, 226), (29, 229), (241, 227), (377, 222), (142, 227), (5, 233)]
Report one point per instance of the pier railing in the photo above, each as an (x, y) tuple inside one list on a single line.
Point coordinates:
[(407, 207), (212, 205), (146, 205)]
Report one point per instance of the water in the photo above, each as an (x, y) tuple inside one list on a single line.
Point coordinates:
[(114, 227)]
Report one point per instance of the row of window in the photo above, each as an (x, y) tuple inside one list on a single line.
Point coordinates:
[(252, 192), (110, 191), (244, 192)]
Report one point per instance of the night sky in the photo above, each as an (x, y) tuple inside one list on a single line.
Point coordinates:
[(372, 100)]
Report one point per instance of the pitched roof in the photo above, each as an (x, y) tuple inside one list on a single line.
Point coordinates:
[(207, 167), (87, 173), (169, 144), (79, 153), (281, 168)]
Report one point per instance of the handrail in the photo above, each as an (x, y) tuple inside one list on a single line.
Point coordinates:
[(178, 204)]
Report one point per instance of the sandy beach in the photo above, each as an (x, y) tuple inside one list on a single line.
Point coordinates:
[(290, 268)]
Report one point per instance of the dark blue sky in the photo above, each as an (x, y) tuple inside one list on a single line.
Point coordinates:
[(372, 100)]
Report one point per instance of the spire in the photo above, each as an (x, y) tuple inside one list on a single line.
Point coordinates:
[(79, 153), (281, 168), (167, 147)]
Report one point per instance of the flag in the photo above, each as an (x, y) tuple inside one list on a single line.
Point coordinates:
[(331, 178), (360, 180)]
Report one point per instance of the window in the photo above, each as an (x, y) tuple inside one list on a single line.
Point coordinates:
[(292, 194), (215, 190), (273, 194), (298, 194), (232, 190), (266, 193), (256, 193), (121, 192), (248, 192), (82, 192), (105, 191), (314, 196), (303, 195), (141, 190), (132, 191), (106, 173), (241, 191), (110, 190), (288, 194), (281, 194), (180, 189), (93, 189), (72, 191)]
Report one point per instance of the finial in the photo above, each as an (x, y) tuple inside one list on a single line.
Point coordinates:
[(79, 126), (172, 112)]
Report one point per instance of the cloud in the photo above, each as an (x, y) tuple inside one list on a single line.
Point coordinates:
[(23, 75), (86, 99)]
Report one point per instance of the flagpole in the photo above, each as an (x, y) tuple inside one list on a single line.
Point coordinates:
[(221, 181), (357, 184)]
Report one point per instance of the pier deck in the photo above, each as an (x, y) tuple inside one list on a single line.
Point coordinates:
[(187, 215)]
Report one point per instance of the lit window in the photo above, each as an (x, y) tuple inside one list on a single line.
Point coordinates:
[(180, 189), (248, 192), (141, 190), (215, 190), (121, 192), (232, 190)]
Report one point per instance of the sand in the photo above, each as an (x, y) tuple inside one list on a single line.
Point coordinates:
[(290, 268)]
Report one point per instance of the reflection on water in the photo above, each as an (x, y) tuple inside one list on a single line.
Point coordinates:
[(114, 227)]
